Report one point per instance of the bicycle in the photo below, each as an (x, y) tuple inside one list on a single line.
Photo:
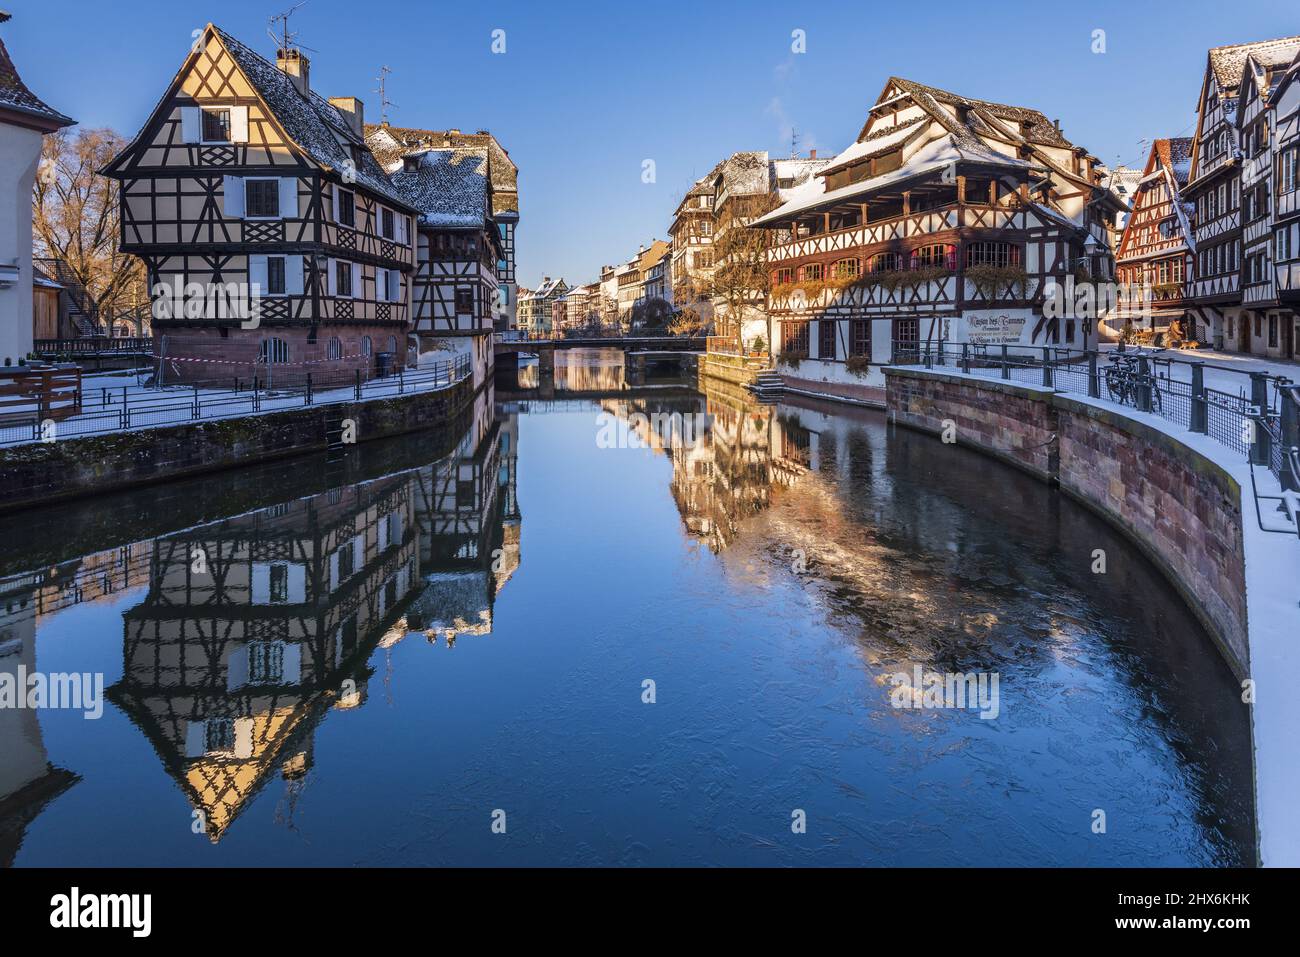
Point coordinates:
[(1124, 378)]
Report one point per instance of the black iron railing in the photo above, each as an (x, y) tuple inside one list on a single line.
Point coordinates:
[(1252, 413)]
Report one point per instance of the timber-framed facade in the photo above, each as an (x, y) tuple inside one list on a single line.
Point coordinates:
[(1154, 260), (455, 293), (243, 175), (944, 222), (1233, 184)]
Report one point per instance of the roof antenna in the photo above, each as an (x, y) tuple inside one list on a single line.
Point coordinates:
[(794, 143), (285, 41), (384, 101)]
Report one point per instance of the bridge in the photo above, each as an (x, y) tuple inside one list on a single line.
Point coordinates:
[(524, 343)]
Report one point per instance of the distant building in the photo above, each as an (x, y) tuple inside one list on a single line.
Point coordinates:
[(535, 308), (745, 186), (24, 121), (691, 235), (1154, 259)]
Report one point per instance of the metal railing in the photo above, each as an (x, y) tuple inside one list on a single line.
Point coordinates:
[(1260, 421), (116, 409), (85, 345)]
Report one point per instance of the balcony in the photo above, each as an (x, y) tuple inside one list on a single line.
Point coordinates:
[(897, 228)]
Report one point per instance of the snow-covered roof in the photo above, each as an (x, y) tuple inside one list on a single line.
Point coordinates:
[(934, 156), (1229, 62), (1175, 154), (318, 128), (391, 143), (947, 106), (16, 97), (449, 187)]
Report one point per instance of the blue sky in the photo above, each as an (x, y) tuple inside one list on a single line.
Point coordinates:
[(585, 93)]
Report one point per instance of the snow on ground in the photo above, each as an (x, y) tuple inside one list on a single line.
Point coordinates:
[(103, 396)]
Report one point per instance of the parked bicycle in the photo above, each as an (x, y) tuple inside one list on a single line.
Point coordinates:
[(1125, 378)]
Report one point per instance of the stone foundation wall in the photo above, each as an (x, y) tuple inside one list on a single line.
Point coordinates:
[(1179, 507), (41, 473)]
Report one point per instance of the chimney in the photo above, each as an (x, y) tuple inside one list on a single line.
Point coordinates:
[(1057, 124), (812, 154), (353, 110), (295, 65)]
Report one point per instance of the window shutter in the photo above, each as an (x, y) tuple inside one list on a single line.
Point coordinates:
[(331, 277), (257, 274), (234, 189), (289, 197), (237, 667), (356, 281), (293, 275), (239, 124), (358, 552), (190, 132), (394, 286), (381, 285), (334, 199)]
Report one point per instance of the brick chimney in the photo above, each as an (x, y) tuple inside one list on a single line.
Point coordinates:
[(353, 110), (295, 65), (812, 154)]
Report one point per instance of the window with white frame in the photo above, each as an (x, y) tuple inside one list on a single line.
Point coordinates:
[(262, 198), (216, 124)]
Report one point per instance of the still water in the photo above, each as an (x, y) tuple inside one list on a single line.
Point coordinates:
[(372, 660)]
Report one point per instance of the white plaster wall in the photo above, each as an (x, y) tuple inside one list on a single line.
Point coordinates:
[(20, 154)]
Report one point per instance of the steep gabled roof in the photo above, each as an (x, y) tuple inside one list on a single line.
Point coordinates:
[(1229, 62), (1175, 155), (448, 186), (391, 143), (945, 105), (15, 97), (317, 127)]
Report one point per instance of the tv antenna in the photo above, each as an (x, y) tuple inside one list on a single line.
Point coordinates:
[(278, 30), (794, 143), (384, 101)]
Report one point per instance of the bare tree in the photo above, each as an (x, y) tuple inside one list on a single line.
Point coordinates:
[(741, 274), (76, 217)]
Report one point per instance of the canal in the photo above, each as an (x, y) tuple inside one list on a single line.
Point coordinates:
[(671, 626)]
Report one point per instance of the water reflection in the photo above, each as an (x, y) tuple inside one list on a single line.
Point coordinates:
[(826, 552)]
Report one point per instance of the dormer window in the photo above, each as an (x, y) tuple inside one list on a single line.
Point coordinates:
[(216, 124)]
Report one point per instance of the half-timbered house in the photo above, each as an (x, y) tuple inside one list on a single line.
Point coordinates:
[(1154, 259), (535, 308), (691, 236), (1229, 185), (455, 288), (253, 627), (1285, 107), (390, 142), (271, 236), (943, 222)]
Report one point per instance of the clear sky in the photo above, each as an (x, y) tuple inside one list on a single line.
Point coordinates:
[(586, 92)]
